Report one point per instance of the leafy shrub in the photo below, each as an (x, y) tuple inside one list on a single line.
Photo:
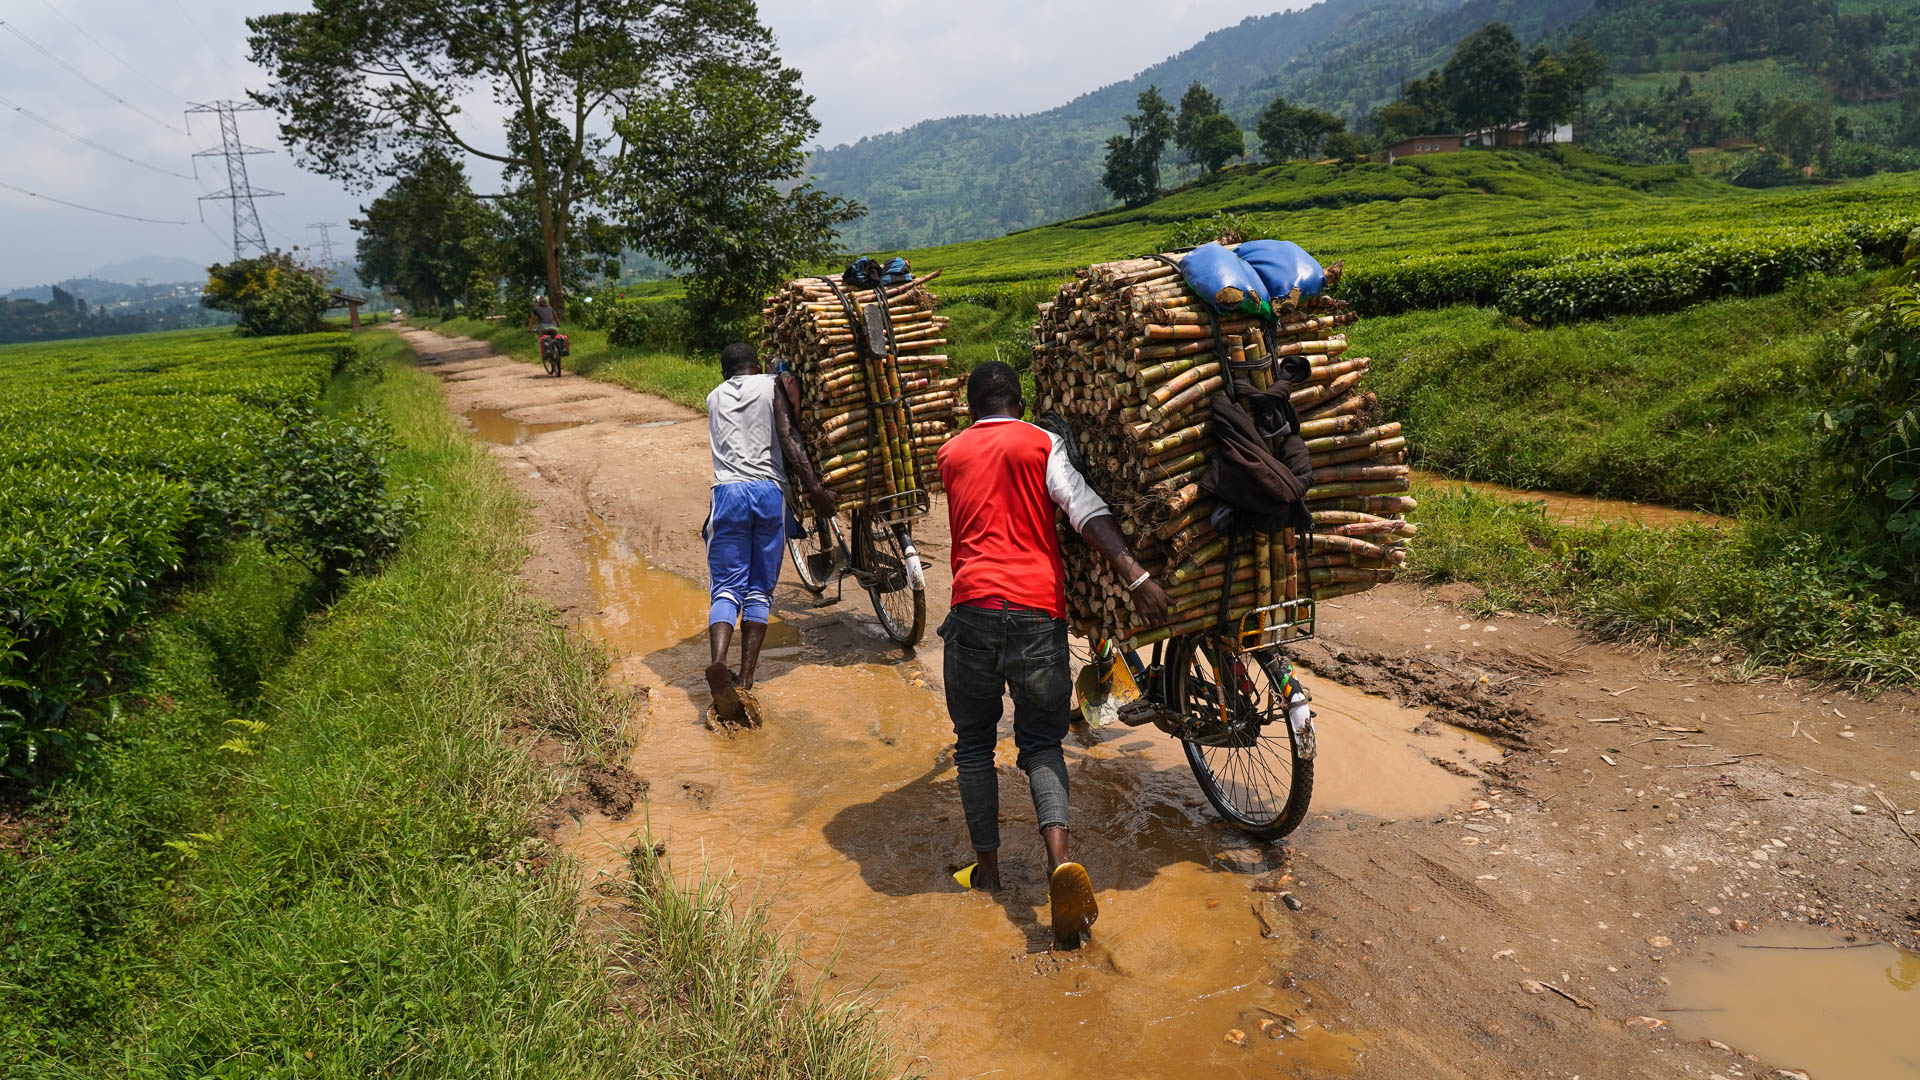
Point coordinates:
[(636, 323), (272, 295), (1641, 145), (1222, 226), (1760, 169), (1851, 158), (323, 497), (1871, 435)]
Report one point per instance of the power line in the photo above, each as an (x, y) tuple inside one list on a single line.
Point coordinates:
[(91, 209), (76, 73), (103, 48), (246, 217), (77, 137)]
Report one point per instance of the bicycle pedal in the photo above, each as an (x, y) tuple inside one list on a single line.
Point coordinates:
[(1138, 713)]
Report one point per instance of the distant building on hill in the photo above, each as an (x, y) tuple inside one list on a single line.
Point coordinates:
[(1492, 137), (1423, 144)]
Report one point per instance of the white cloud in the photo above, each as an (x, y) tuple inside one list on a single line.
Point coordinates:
[(870, 68)]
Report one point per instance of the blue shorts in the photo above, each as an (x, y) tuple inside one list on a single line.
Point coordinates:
[(746, 533)]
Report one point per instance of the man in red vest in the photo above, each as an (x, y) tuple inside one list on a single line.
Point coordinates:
[(1007, 630)]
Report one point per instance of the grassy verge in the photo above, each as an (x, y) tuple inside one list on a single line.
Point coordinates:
[(1764, 594), (306, 852), (1706, 407), (671, 375)]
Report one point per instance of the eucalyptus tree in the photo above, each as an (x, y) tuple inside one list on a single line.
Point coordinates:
[(362, 85)]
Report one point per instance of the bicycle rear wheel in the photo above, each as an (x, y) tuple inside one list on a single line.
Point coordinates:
[(895, 583), (1236, 736)]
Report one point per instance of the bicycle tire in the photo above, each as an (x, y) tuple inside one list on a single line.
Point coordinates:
[(900, 606), (1239, 765)]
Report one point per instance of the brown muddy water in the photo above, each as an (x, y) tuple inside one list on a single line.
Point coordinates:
[(495, 426), (1573, 509), (843, 817), (1805, 999)]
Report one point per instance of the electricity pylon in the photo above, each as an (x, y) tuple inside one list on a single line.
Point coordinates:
[(247, 231)]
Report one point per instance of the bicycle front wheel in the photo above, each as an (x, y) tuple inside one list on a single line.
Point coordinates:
[(1237, 738), (896, 584), (816, 559)]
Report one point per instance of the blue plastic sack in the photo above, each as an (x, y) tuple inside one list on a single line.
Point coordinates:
[(1284, 266), (1223, 280)]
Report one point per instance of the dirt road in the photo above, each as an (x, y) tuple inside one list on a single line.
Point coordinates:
[(1531, 854)]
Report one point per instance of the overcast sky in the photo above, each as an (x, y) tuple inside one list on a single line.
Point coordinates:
[(872, 68)]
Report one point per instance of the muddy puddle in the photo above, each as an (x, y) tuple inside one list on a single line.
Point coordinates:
[(495, 426), (843, 816), (1573, 509), (1807, 1000)]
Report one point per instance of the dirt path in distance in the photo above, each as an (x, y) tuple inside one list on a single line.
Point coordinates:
[(1517, 832)]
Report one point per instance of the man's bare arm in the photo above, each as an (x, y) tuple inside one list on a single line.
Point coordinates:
[(795, 453), (1149, 599)]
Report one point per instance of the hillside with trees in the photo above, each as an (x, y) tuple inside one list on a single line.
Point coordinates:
[(1647, 81)]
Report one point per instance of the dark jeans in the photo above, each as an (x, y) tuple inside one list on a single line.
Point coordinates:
[(991, 651)]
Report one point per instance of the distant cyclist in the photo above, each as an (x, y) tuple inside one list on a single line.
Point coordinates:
[(542, 319)]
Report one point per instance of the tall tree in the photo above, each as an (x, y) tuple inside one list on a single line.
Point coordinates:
[(1218, 141), (1550, 98), (1420, 110), (1587, 67), (1151, 127), (1196, 105), (426, 235), (1485, 79), (1290, 131), (357, 83), (1132, 172), (721, 202), (1802, 130)]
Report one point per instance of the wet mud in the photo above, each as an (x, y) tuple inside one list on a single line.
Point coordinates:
[(1813, 1001), (1509, 902), (844, 816)]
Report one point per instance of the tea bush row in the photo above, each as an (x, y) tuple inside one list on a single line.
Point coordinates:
[(125, 463), (1626, 273)]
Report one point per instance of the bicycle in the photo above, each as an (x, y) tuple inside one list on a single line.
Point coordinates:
[(1233, 700), (881, 558), (551, 353)]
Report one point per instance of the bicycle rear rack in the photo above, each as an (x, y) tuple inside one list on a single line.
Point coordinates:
[(900, 509), (1272, 625)]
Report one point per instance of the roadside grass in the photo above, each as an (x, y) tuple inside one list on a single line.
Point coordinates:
[(671, 375), (1706, 407), (315, 860), (1765, 594)]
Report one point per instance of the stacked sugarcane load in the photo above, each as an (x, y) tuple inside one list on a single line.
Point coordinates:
[(871, 424), (1126, 353)]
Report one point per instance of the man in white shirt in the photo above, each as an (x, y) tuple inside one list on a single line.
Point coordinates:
[(754, 439)]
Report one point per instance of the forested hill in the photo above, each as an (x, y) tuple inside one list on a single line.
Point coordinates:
[(968, 177), (971, 177), (1360, 66)]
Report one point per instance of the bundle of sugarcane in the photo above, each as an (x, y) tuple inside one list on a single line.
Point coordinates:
[(1127, 353), (871, 424)]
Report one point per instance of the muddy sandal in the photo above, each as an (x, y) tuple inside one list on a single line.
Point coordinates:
[(1070, 894), (726, 696)]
